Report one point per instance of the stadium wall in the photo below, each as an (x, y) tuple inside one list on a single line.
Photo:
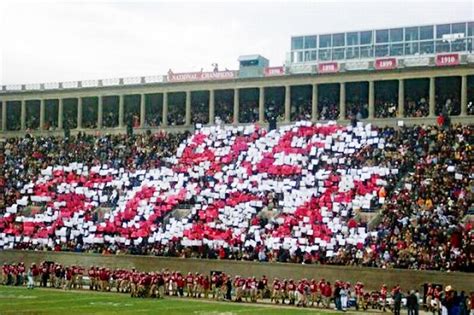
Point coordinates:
[(22, 96), (371, 277)]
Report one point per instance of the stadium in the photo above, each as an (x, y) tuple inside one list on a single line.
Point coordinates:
[(339, 181)]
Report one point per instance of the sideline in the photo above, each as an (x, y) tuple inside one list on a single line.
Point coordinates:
[(263, 304)]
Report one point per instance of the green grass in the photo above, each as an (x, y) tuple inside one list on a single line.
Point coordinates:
[(15, 300)]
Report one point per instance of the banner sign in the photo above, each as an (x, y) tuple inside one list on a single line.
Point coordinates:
[(385, 64), (416, 61), (271, 71), (470, 58), (356, 65), (201, 76), (296, 69), (330, 67), (447, 60)]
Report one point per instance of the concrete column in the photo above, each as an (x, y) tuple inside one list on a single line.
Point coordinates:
[(464, 95), (100, 111), (432, 97), (121, 110), (342, 101), (142, 110), (4, 115), (165, 109), (371, 100), (236, 106), (188, 108), (212, 107), (401, 98), (79, 113), (60, 113), (261, 105), (42, 105), (314, 103), (23, 114), (287, 103)]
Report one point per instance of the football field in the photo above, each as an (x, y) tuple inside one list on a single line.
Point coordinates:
[(15, 300)]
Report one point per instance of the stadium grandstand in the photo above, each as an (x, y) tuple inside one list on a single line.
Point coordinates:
[(415, 73), (357, 153)]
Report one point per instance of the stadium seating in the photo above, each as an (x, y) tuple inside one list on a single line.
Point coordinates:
[(311, 179)]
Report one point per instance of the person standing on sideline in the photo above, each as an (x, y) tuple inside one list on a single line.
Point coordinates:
[(344, 296), (397, 301), (337, 296), (31, 281), (471, 303), (412, 303), (228, 284)]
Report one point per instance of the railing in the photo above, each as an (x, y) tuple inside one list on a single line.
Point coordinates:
[(83, 84), (70, 84), (388, 122), (111, 82), (331, 66)]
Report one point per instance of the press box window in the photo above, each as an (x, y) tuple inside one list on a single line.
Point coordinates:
[(426, 32), (310, 42), (324, 41), (396, 35), (381, 36), (297, 43), (366, 38), (411, 34)]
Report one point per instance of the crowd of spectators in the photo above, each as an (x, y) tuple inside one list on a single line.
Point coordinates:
[(89, 116), (358, 111), (176, 115), (416, 108), (69, 117), (110, 119), (421, 223), (448, 106), (23, 158), (248, 112), (32, 123), (328, 110), (301, 110), (385, 109), (199, 113), (13, 120), (154, 121), (225, 111), (340, 295)]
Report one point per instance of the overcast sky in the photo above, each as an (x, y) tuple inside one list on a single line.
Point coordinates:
[(51, 41)]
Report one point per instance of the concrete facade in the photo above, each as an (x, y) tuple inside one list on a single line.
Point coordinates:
[(286, 81)]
